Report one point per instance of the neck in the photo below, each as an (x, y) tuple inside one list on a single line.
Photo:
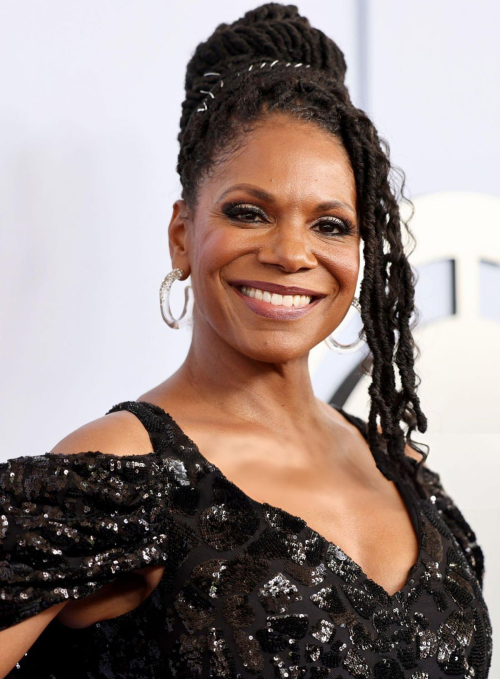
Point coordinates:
[(221, 378)]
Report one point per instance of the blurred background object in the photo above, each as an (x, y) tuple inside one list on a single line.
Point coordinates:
[(91, 99)]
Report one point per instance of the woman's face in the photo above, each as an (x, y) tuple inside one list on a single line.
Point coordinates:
[(280, 211)]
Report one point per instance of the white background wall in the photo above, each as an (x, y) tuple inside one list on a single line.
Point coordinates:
[(91, 97), (91, 101)]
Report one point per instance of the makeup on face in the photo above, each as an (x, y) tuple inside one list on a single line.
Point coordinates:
[(270, 304)]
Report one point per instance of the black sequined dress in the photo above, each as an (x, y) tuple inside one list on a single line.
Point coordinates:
[(248, 590)]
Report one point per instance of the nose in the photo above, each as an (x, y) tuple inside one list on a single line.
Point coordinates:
[(288, 246)]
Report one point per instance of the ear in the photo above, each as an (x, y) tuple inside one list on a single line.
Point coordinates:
[(178, 239)]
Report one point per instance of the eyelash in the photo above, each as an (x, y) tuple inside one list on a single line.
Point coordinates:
[(232, 210)]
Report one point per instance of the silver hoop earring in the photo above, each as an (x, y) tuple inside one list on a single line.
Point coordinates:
[(187, 312), (331, 343)]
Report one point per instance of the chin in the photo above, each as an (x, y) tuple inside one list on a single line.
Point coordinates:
[(276, 350)]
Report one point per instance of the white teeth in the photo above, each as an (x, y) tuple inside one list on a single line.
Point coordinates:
[(274, 298)]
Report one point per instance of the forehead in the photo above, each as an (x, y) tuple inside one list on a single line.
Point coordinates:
[(294, 160)]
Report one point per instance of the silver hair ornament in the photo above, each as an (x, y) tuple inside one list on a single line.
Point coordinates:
[(204, 106)]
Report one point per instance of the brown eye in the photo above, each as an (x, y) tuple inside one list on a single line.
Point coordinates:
[(336, 227), (242, 212)]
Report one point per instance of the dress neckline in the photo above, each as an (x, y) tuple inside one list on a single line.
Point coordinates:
[(181, 439)]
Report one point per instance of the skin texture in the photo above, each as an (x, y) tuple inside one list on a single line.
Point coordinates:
[(288, 248), (244, 392)]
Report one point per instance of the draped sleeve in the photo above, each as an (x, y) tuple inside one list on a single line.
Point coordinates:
[(446, 508), (71, 523)]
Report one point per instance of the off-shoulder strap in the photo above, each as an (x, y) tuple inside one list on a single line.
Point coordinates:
[(153, 419), (71, 523)]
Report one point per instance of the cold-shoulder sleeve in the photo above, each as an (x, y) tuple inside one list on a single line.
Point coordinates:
[(433, 489), (71, 523)]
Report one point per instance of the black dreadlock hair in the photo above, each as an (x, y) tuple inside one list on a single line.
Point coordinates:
[(315, 92)]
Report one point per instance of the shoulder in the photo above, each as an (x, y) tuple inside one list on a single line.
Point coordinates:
[(118, 433), (338, 417), (411, 452)]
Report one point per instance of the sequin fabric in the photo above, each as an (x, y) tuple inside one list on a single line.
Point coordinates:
[(248, 589)]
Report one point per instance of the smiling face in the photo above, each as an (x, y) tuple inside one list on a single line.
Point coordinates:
[(280, 211)]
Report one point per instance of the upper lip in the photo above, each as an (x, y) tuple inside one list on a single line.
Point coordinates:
[(280, 289)]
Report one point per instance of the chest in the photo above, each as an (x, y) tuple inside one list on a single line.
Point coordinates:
[(355, 508)]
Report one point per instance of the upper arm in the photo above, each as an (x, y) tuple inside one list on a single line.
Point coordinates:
[(118, 433)]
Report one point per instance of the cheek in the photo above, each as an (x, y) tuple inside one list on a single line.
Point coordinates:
[(214, 248), (344, 266), (213, 252), (350, 269)]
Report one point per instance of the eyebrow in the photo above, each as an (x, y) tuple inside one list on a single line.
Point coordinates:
[(265, 196)]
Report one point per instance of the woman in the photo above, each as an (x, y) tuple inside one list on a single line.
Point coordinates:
[(228, 523)]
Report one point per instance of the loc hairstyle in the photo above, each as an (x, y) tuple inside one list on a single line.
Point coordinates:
[(211, 128)]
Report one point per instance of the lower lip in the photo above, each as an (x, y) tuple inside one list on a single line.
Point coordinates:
[(269, 310)]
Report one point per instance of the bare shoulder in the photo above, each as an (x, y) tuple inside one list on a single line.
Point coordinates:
[(335, 415), (409, 451), (118, 433)]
